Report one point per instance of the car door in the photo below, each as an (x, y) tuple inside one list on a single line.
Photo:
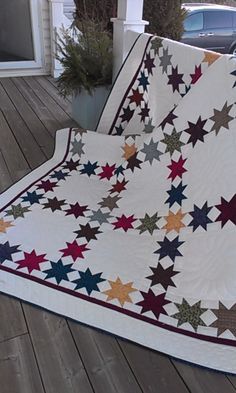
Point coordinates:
[(218, 30), (194, 30)]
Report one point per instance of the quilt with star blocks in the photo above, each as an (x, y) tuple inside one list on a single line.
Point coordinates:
[(132, 229)]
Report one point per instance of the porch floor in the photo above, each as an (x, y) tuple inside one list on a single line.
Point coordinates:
[(39, 351)]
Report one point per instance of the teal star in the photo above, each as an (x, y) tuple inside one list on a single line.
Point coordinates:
[(99, 216), (59, 271), (88, 281)]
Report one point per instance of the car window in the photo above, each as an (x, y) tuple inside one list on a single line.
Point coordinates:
[(234, 19), (218, 19), (194, 22)]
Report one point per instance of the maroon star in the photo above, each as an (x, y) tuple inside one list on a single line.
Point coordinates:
[(124, 222), (136, 97), (227, 211), (197, 74), (149, 63), (107, 171), (47, 185), (118, 187), (71, 165), (175, 79), (77, 210), (196, 131), (31, 261), (162, 276), (177, 168), (144, 112), (154, 303), (74, 250)]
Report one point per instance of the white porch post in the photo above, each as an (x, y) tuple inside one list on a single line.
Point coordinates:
[(57, 20), (129, 17)]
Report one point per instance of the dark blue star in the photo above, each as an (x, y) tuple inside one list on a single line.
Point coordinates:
[(59, 175), (143, 81), (119, 170), (59, 271), (187, 89), (6, 251), (88, 281), (32, 197), (200, 217), (89, 168), (127, 115), (119, 130), (234, 74), (176, 195), (169, 248)]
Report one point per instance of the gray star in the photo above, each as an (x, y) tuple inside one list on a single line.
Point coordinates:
[(165, 60), (148, 127), (77, 147), (151, 151), (99, 216)]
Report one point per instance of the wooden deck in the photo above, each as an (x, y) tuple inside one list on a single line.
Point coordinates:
[(39, 351)]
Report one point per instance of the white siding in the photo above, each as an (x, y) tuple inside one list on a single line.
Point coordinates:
[(46, 35)]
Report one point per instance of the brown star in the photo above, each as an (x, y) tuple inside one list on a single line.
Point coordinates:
[(110, 202), (226, 319)]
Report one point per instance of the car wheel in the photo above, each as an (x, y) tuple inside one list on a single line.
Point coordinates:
[(233, 51)]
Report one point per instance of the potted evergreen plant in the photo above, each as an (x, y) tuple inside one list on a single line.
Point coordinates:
[(86, 56)]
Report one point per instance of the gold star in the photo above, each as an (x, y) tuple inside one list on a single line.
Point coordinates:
[(129, 151), (210, 57), (174, 221), (4, 225), (120, 291)]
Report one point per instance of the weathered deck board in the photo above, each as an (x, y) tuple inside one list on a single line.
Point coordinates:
[(104, 361), (153, 370), (19, 129), (39, 107), (64, 119), (200, 380), (18, 368), (59, 362), (13, 156), (56, 356), (53, 91)]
